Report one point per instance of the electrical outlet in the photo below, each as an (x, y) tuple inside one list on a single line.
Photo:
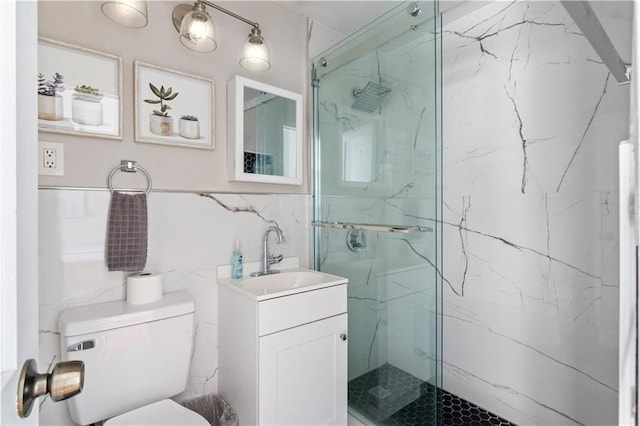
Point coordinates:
[(51, 158)]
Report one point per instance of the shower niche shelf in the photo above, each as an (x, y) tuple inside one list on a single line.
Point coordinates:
[(400, 229)]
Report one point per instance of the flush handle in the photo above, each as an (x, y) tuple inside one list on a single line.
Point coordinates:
[(82, 346), (65, 381), (343, 337)]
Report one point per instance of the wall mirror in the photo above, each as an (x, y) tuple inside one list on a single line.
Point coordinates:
[(265, 133)]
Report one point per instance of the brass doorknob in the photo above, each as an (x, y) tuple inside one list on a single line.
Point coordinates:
[(66, 380)]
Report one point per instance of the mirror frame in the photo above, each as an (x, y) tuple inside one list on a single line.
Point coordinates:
[(235, 130)]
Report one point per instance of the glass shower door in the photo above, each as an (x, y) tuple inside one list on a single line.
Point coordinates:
[(377, 208)]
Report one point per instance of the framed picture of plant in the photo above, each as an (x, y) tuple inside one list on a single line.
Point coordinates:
[(173, 108), (79, 90)]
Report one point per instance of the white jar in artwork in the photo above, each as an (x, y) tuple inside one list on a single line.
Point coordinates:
[(86, 106), (189, 127), (50, 107), (161, 125)]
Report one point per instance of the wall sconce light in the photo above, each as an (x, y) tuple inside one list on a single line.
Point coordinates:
[(196, 28), (128, 13), (197, 32), (255, 52)]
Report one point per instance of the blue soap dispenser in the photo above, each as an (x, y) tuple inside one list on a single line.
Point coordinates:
[(236, 261)]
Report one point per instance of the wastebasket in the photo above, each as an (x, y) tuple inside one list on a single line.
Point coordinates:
[(214, 409)]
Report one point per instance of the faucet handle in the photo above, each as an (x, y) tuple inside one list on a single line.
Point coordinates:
[(275, 259)]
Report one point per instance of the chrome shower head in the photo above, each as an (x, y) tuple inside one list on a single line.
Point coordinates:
[(370, 98)]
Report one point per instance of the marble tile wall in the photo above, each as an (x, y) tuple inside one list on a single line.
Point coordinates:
[(532, 120), (189, 236)]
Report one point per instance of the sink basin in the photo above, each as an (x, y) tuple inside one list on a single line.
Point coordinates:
[(283, 281), (287, 281)]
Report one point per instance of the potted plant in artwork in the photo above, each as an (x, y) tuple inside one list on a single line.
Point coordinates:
[(160, 123), (86, 106), (189, 127), (50, 102)]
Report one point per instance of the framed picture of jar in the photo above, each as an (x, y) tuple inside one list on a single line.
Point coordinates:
[(79, 90), (173, 107)]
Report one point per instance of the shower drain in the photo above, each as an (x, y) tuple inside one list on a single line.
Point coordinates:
[(379, 392)]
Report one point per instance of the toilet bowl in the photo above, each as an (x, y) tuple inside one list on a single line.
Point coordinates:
[(135, 357), (165, 412)]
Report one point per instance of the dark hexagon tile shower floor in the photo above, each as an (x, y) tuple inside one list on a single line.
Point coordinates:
[(390, 396)]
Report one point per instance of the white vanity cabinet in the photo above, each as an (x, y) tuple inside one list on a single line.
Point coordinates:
[(283, 358), (303, 375)]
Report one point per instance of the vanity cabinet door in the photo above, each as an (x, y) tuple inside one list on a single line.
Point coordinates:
[(303, 374)]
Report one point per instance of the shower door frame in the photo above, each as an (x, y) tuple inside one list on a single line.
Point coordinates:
[(316, 163)]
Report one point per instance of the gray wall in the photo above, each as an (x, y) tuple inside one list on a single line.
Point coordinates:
[(89, 160)]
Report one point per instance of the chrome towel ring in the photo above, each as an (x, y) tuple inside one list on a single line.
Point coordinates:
[(129, 167)]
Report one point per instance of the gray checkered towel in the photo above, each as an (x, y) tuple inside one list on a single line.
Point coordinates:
[(127, 232)]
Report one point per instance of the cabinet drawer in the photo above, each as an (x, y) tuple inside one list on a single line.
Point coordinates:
[(301, 308)]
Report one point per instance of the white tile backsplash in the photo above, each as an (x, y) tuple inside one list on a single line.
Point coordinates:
[(190, 235)]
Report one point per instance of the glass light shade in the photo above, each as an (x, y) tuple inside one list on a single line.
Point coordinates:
[(197, 31), (254, 55), (128, 13)]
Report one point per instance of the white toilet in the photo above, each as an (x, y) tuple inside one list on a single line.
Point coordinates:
[(135, 357)]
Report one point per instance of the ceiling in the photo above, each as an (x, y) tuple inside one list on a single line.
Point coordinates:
[(342, 16), (346, 17)]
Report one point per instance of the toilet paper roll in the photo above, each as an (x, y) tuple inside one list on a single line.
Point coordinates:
[(144, 287)]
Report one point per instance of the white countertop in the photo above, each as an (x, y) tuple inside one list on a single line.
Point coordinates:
[(301, 279)]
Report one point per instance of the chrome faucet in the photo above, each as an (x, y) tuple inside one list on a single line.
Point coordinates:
[(268, 260)]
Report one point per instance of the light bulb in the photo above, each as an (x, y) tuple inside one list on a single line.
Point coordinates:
[(197, 29)]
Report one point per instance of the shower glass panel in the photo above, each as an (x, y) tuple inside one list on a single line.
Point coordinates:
[(377, 187)]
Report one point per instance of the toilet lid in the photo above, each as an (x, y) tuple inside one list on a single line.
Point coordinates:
[(165, 412)]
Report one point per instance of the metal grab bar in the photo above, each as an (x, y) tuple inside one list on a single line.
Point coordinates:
[(400, 229)]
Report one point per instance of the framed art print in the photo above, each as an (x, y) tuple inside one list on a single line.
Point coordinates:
[(173, 108), (79, 90)]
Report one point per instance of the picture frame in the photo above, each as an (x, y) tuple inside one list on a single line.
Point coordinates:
[(79, 90), (173, 108)]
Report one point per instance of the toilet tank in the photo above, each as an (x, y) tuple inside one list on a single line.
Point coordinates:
[(133, 354)]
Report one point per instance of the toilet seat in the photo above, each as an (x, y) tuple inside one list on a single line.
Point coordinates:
[(165, 412)]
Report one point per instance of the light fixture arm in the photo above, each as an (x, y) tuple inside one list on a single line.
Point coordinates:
[(230, 13)]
